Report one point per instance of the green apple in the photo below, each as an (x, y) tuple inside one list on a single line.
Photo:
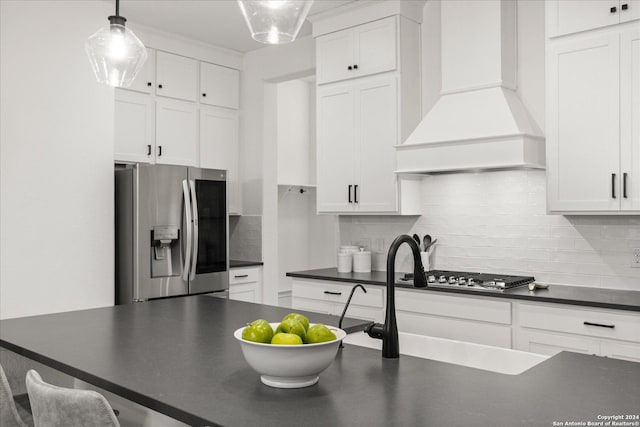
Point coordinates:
[(303, 319), (258, 331), (283, 338), (319, 333), (292, 326)]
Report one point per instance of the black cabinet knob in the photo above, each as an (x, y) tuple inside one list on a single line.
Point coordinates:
[(149, 83), (625, 6), (355, 67), (204, 95), (613, 9), (349, 67), (159, 86)]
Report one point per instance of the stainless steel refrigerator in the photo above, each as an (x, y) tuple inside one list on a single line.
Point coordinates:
[(171, 232)]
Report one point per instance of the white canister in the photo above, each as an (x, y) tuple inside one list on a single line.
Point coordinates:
[(345, 261), (362, 262)]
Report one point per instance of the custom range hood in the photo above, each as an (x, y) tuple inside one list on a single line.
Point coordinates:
[(478, 122)]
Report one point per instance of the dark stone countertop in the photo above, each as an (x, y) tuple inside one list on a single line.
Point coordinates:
[(559, 294), (178, 356), (235, 263)]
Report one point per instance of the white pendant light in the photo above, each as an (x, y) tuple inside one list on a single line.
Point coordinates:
[(274, 21), (115, 53)]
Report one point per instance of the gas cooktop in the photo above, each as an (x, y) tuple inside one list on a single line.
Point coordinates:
[(472, 281)]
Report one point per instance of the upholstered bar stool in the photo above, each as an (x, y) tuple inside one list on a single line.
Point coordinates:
[(54, 406)]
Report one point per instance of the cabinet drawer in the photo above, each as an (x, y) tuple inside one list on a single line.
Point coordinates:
[(453, 306), (620, 350), (315, 306), (552, 343), (337, 293), (595, 323), (243, 275)]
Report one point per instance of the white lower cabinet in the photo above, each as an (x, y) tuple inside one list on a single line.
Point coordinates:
[(549, 329), (330, 298), (472, 319), (245, 284)]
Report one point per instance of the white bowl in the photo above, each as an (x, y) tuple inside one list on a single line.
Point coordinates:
[(290, 366)]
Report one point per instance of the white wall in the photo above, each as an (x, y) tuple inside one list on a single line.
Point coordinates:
[(262, 69), (56, 154)]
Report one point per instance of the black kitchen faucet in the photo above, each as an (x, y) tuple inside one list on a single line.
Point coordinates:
[(388, 332)]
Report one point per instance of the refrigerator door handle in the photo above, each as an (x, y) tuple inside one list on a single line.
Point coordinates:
[(194, 206), (187, 213)]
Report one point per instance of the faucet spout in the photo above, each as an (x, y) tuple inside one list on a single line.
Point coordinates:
[(388, 331)]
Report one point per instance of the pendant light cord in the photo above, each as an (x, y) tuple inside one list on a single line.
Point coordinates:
[(117, 7)]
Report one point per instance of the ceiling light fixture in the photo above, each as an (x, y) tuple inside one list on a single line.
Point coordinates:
[(115, 53), (274, 21)]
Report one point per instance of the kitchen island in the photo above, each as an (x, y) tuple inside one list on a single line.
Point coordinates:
[(179, 357)]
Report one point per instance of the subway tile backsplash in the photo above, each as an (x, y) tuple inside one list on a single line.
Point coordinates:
[(497, 222)]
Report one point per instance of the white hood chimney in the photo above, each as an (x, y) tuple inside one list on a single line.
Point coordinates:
[(478, 122)]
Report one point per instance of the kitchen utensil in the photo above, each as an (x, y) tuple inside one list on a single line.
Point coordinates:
[(430, 244), (290, 366), (417, 239), (427, 242), (362, 261)]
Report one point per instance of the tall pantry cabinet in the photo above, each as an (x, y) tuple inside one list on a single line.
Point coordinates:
[(593, 107), (368, 101)]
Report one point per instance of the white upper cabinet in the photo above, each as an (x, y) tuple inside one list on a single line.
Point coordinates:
[(134, 135), (572, 16), (177, 76), (362, 117), (176, 142), (630, 119), (219, 86), (358, 51), (583, 125), (145, 81), (593, 116)]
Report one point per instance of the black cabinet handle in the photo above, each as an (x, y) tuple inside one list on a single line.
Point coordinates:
[(332, 293), (613, 9), (613, 185), (349, 67), (159, 86), (601, 325), (350, 193), (625, 6), (355, 67), (624, 185), (148, 149), (355, 193), (204, 95), (149, 83), (240, 276), (159, 150)]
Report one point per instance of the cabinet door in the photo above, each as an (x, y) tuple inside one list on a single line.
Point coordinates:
[(176, 142), (247, 292), (551, 343), (630, 118), (377, 134), (146, 78), (176, 76), (583, 144), (375, 47), (219, 86), (218, 138), (134, 133), (335, 148), (335, 57), (572, 16), (631, 12)]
